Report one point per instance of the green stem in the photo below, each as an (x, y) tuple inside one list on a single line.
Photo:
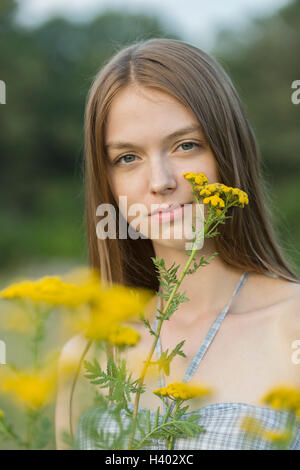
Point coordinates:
[(32, 417), (145, 368), (11, 434), (110, 354), (166, 416), (73, 386), (170, 446), (217, 223), (174, 421), (40, 317)]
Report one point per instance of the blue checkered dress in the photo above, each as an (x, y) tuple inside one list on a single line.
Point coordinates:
[(221, 421)]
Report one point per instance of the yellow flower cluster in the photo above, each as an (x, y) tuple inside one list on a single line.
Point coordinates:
[(254, 427), (216, 194), (277, 436), (98, 311), (183, 391), (123, 336), (284, 398), (198, 178), (49, 289), (100, 319), (31, 388)]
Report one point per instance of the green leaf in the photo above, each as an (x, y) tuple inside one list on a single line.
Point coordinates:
[(156, 418)]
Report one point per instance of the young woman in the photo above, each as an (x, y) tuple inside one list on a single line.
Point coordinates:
[(157, 109)]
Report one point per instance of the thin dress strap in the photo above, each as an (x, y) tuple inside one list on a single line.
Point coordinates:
[(207, 340)]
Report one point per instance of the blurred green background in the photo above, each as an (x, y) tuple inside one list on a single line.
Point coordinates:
[(48, 70)]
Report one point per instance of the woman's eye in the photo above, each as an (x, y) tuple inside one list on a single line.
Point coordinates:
[(123, 156), (189, 143), (131, 155)]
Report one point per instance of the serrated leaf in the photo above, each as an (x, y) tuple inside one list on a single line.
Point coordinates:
[(156, 418)]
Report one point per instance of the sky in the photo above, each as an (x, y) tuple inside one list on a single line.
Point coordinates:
[(194, 20)]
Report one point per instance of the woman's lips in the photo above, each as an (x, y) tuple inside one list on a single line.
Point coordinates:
[(168, 216)]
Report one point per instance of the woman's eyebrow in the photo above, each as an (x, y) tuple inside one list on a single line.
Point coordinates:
[(178, 133)]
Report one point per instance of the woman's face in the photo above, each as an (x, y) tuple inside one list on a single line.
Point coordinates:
[(146, 161)]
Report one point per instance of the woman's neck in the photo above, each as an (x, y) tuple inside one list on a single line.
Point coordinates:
[(208, 289)]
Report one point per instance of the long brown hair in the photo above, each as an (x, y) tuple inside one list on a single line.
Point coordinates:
[(248, 240)]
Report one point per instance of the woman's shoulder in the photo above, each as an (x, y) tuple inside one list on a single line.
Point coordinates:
[(290, 315), (267, 291), (282, 300), (272, 302)]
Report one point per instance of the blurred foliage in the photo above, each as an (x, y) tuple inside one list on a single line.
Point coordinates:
[(262, 61), (48, 70)]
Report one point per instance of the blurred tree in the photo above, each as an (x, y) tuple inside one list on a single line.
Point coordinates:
[(263, 62), (7, 14), (48, 71)]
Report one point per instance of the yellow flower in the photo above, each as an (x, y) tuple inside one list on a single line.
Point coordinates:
[(215, 201), (31, 388), (252, 426), (277, 436), (226, 189), (49, 289), (97, 309), (123, 336), (239, 196), (203, 191), (216, 194), (108, 310), (183, 391), (196, 178), (189, 175), (53, 290), (1, 414), (201, 179), (255, 428), (284, 398)]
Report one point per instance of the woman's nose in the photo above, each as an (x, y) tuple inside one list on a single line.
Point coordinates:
[(161, 178)]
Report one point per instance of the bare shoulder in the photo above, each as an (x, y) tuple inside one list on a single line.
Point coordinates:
[(291, 311), (74, 347), (282, 299), (273, 299)]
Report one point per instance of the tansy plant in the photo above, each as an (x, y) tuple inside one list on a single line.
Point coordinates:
[(285, 399), (218, 198), (83, 305), (32, 388), (103, 314)]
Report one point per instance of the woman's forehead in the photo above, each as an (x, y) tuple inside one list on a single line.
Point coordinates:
[(132, 115)]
